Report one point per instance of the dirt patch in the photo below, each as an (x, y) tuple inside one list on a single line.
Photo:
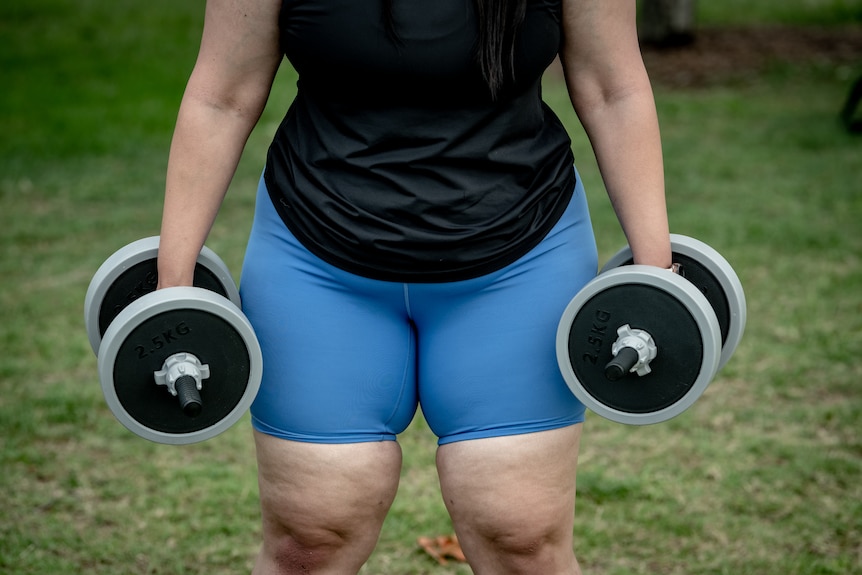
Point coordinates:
[(721, 55), (725, 55)]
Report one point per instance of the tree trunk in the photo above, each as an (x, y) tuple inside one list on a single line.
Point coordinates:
[(667, 22)]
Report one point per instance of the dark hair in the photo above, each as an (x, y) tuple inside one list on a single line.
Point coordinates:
[(499, 21)]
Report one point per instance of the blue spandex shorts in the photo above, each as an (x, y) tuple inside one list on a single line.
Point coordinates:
[(348, 359)]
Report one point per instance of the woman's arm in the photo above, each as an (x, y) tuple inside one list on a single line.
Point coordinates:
[(225, 95), (613, 98)]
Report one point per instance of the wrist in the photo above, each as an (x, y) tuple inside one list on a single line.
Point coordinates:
[(174, 275)]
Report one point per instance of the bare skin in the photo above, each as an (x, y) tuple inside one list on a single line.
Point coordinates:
[(223, 100), (512, 501), (322, 505), (612, 96)]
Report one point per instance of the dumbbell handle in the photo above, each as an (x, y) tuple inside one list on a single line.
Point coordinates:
[(183, 374), (621, 364), (633, 351), (188, 395)]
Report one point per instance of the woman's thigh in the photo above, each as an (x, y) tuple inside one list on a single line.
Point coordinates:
[(512, 500)]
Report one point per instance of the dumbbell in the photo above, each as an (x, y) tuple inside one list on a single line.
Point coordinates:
[(177, 365), (639, 345)]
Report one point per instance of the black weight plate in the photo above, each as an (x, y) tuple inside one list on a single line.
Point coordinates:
[(133, 268), (712, 274), (654, 300), (206, 335), (674, 370), (695, 272), (141, 279)]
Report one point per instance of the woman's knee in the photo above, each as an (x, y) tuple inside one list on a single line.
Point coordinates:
[(315, 548), (323, 505), (523, 529), (299, 552), (518, 544), (512, 499)]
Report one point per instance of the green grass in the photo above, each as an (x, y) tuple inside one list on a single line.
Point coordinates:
[(827, 12), (759, 477)]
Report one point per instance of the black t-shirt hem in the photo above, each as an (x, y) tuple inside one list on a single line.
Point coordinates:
[(375, 270)]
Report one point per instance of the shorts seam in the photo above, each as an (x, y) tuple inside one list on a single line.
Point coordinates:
[(405, 374)]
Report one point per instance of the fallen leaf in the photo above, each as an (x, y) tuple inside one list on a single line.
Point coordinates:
[(442, 548)]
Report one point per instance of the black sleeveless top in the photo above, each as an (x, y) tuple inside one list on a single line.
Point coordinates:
[(394, 162)]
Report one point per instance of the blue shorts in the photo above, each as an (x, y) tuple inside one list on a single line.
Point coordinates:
[(349, 359)]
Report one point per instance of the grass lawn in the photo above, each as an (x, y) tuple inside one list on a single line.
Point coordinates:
[(762, 476)]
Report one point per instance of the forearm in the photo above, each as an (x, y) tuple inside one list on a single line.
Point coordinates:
[(624, 133), (611, 93), (206, 148), (223, 100)]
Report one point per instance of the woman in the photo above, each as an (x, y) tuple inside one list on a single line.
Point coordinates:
[(418, 232)]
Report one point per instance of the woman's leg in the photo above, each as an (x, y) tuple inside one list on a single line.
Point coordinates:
[(338, 385), (322, 504), (512, 500), (491, 388)]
